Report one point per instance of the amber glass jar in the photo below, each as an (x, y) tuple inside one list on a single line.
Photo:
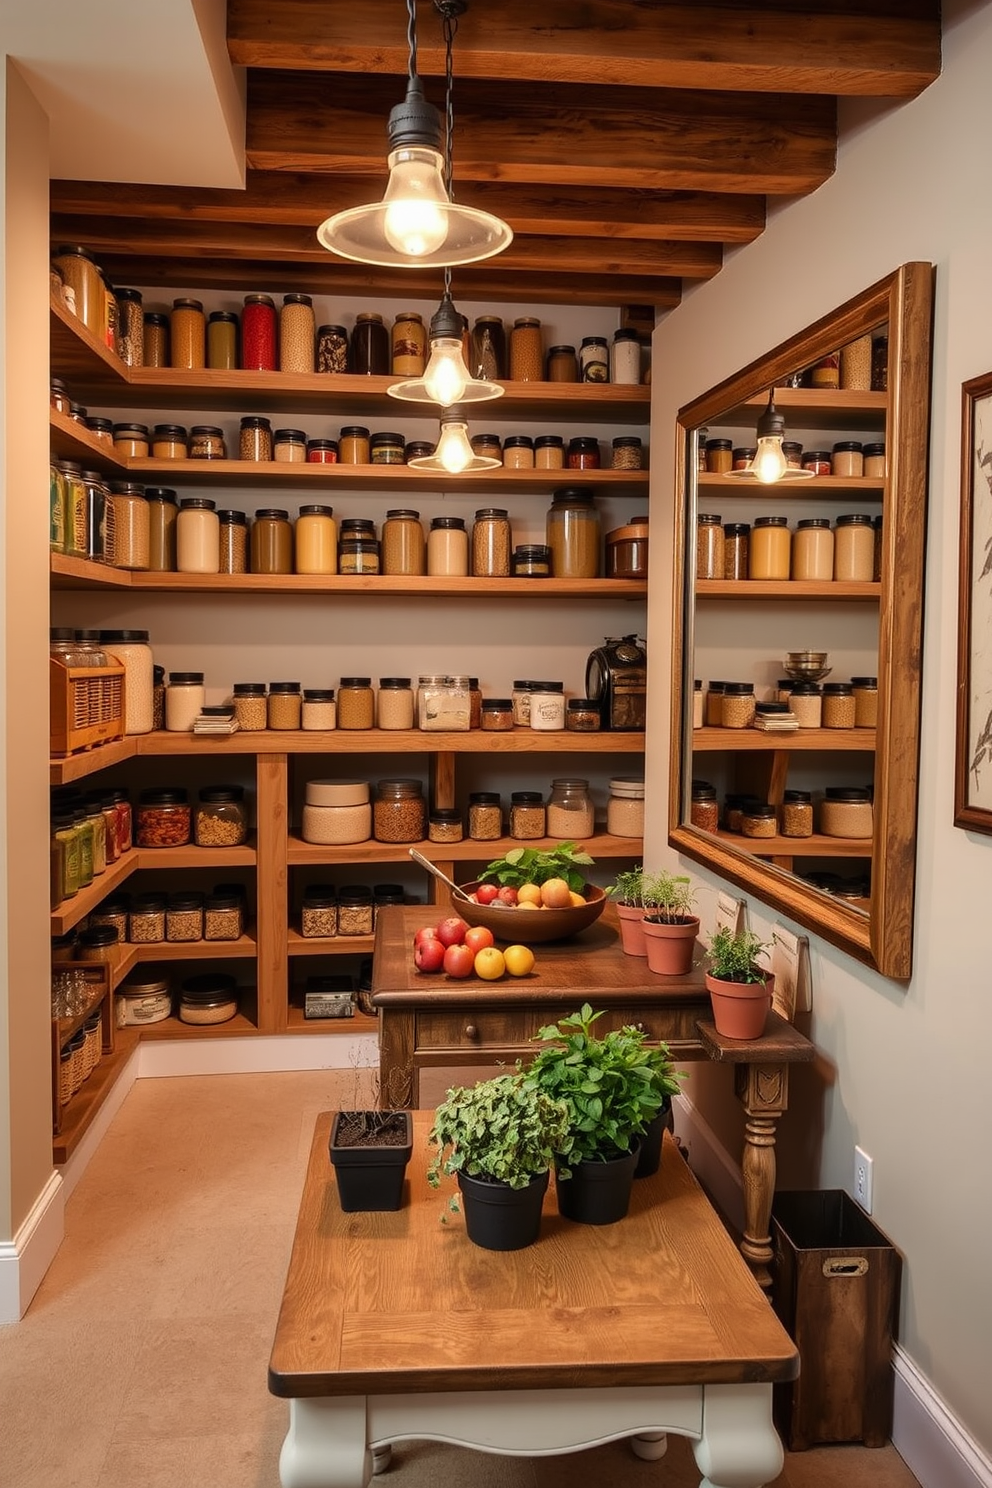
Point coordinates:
[(404, 544), (353, 445), (356, 703), (719, 456), (271, 542), (573, 534), (526, 352), (563, 364), (409, 344), (162, 514), (188, 334)]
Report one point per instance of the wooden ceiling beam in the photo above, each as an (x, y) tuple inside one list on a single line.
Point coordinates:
[(609, 137), (877, 49), (278, 197)]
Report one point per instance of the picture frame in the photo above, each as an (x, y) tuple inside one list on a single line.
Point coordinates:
[(973, 754)]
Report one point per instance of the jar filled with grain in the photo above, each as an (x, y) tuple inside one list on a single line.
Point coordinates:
[(714, 704), (163, 817), (409, 344), (865, 701), (625, 356), (710, 546), (223, 918), (496, 715), (146, 919), (797, 814), (704, 812), (806, 704), (251, 707), (770, 551), (255, 440), (132, 526), (79, 272), (854, 548), (319, 912), (113, 911), (155, 340), (271, 544), (838, 705), (447, 547), (400, 811), (571, 816), (285, 705), (356, 910), (485, 816), (445, 825), (184, 699), (573, 534), (395, 703), (289, 447), (222, 340), (846, 811), (188, 334), (162, 514), (582, 716), (813, 551), (206, 442), (208, 999), (736, 541), (531, 561), (158, 698), (233, 541), (526, 350), (487, 447), (518, 452), (221, 817), (628, 452), (320, 711), (353, 445), (855, 365), (130, 327), (874, 460), (332, 349), (131, 441), (356, 703), (625, 807), (98, 943), (444, 703), (258, 333), (337, 813), (491, 543), (738, 705), (404, 544), (297, 334), (358, 555), (848, 459), (131, 649), (527, 815), (759, 819)]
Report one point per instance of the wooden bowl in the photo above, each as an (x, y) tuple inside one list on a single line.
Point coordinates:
[(532, 926)]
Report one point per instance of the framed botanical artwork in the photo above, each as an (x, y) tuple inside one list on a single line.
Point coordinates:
[(973, 773)]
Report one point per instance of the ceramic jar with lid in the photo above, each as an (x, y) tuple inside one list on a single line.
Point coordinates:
[(547, 706), (337, 813)]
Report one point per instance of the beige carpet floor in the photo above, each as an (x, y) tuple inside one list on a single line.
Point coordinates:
[(142, 1360)]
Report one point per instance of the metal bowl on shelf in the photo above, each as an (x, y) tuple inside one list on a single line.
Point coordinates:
[(532, 926), (807, 666)]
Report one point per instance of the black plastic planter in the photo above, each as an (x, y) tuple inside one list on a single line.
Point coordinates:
[(649, 1160), (371, 1177), (598, 1193), (498, 1217)]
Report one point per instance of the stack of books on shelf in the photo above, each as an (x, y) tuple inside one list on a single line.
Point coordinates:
[(776, 723), (216, 720)]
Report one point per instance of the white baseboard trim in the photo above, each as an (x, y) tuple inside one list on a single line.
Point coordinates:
[(931, 1440), (77, 1164), (25, 1259), (254, 1056), (709, 1160)]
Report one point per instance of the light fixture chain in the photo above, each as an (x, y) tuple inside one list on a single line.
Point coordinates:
[(411, 38), (450, 28)]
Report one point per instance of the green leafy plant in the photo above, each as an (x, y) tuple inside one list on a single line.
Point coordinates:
[(535, 865), (732, 956), (508, 1129), (628, 887), (613, 1086), (668, 898)]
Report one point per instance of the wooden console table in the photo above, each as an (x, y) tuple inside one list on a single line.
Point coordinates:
[(435, 1022), (395, 1328)]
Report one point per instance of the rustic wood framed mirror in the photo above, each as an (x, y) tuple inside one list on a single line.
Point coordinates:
[(851, 879)]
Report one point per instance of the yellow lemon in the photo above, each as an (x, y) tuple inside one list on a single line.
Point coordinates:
[(519, 960)]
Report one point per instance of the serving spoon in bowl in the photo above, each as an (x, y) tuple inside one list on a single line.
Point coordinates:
[(418, 857)]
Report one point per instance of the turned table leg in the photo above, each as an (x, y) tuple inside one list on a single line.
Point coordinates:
[(764, 1093)]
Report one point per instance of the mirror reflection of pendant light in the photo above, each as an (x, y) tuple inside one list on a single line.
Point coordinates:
[(417, 224), (769, 465), (454, 454)]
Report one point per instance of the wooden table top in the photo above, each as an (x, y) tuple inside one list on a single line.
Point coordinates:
[(389, 1302)]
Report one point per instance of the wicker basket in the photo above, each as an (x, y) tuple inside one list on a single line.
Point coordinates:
[(86, 706)]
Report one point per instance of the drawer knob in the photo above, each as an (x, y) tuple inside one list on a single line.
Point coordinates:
[(471, 1031)]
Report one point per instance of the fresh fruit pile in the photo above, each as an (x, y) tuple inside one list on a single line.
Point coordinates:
[(462, 950), (533, 867)]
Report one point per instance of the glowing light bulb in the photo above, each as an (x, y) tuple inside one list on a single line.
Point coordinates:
[(415, 222), (453, 449), (446, 375), (769, 464)]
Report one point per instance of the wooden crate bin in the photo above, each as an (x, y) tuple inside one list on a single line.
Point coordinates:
[(86, 706)]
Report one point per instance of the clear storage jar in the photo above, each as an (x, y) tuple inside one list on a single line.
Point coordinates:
[(710, 543), (806, 704), (188, 334), (443, 703), (255, 439), (838, 705), (625, 807), (163, 817), (865, 701), (445, 825), (132, 530), (271, 542), (146, 919), (528, 817), (571, 815), (320, 710), (573, 534), (797, 814), (356, 910), (221, 817), (132, 650), (223, 916), (251, 707), (485, 816), (297, 334), (162, 515), (233, 541), (285, 705), (400, 811), (184, 916), (704, 811), (395, 703), (208, 999), (319, 912), (491, 543), (404, 545), (222, 340), (738, 707), (356, 703)]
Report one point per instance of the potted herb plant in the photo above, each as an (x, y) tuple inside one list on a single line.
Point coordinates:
[(500, 1138), (627, 894), (369, 1150), (670, 927), (740, 990), (612, 1089)]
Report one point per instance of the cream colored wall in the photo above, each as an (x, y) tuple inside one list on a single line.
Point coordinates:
[(25, 1040), (902, 1070)]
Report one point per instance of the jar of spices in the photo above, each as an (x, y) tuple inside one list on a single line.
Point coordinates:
[(709, 546), (571, 816), (208, 999), (848, 459), (184, 916), (874, 461), (714, 704), (487, 447), (387, 448), (488, 358), (289, 446), (865, 702), (846, 811), (770, 551), (258, 334), (316, 540), (485, 816), (131, 441), (162, 514), (355, 910), (522, 691), (549, 452), (526, 351), (719, 456), (813, 551), (625, 808), (738, 705), (400, 812), (527, 815), (353, 445), (825, 373), (319, 912), (627, 551), (743, 457), (359, 555), (98, 943), (404, 546), (417, 449), (818, 461), (444, 703), (271, 542), (163, 817), (797, 814), (594, 359), (369, 354), (409, 345), (628, 452), (573, 534), (297, 333), (131, 649), (838, 705), (854, 548), (736, 544), (221, 817), (332, 349), (322, 452), (206, 442), (394, 704), (563, 364), (793, 452), (337, 813), (132, 526), (496, 715), (251, 707), (158, 698), (102, 430), (806, 704), (222, 340), (491, 540), (184, 699), (531, 561), (223, 918), (855, 365), (155, 340), (233, 541), (320, 711), (285, 705), (356, 703), (582, 716), (547, 707), (197, 536), (583, 454), (256, 438), (447, 547), (704, 812), (759, 819), (880, 363), (188, 334), (445, 825), (169, 442), (518, 452), (146, 920)]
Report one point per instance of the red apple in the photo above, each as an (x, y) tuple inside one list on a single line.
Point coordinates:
[(485, 893), (507, 896), (429, 955), (426, 932), (479, 938), (459, 961), (452, 930)]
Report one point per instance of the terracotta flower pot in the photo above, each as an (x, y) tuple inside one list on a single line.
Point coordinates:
[(631, 932), (670, 947), (740, 1008)]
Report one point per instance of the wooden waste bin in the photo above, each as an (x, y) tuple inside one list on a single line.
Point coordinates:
[(836, 1292)]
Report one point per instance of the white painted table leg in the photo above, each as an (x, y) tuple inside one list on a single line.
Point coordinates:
[(651, 1446), (739, 1447), (325, 1446)]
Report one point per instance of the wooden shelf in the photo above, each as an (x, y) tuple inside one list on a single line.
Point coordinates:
[(468, 851), (358, 1023), (268, 474), (86, 365), (817, 408), (734, 741), (77, 766), (791, 590), (331, 945), (71, 440), (816, 846), (393, 741), (870, 487), (131, 955), (78, 1115), (71, 911)]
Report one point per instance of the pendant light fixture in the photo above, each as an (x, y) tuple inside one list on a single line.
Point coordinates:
[(454, 454), (769, 465), (417, 224), (446, 379)]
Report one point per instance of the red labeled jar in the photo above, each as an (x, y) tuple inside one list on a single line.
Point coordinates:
[(583, 454), (258, 334)]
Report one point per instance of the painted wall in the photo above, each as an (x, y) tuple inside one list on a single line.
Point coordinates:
[(901, 1070)]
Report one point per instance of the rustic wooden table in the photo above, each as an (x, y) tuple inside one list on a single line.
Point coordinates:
[(394, 1327), (435, 1022)]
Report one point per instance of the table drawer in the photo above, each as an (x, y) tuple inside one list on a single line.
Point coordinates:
[(490, 1028)]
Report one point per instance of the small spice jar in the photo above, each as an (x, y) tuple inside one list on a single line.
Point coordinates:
[(332, 349), (846, 811), (865, 701), (319, 912), (206, 442), (583, 453), (813, 551), (356, 910), (518, 452), (487, 447), (255, 441), (704, 812), (817, 461), (250, 706), (356, 703), (297, 334), (395, 703), (445, 825), (222, 340), (628, 452), (714, 704), (582, 715), (319, 710), (491, 541), (322, 452), (549, 452), (806, 704), (289, 446), (337, 813), (223, 917), (271, 547), (526, 351), (797, 814), (758, 819), (163, 818), (874, 461), (184, 699), (496, 715), (400, 811), (719, 456), (625, 807), (594, 359), (221, 817), (184, 916), (208, 999), (409, 344), (848, 459), (146, 919), (258, 334), (547, 706), (233, 541), (854, 548), (98, 943), (131, 441), (571, 815), (386, 448), (709, 546), (485, 816), (527, 815), (770, 551), (838, 705), (738, 705), (404, 545), (285, 705), (563, 364), (736, 544), (531, 561), (169, 442)]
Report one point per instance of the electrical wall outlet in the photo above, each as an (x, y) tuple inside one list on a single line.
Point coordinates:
[(862, 1178)]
